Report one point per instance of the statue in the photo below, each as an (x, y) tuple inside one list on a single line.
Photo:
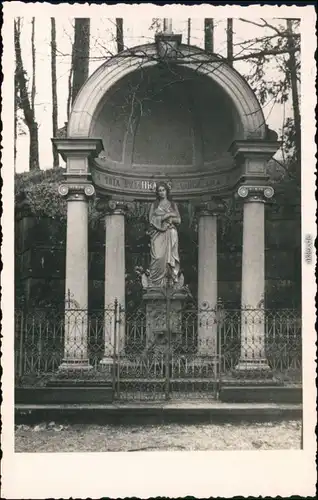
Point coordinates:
[(164, 252), (163, 281)]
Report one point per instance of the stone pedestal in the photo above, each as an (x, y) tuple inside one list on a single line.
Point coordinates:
[(163, 313)]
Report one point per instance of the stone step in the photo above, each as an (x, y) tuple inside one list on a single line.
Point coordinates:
[(162, 380)]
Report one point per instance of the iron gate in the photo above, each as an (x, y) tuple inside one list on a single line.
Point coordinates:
[(163, 356)]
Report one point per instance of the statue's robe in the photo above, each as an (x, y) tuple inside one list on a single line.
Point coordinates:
[(164, 243)]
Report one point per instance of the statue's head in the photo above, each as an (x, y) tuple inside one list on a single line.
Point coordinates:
[(162, 191)]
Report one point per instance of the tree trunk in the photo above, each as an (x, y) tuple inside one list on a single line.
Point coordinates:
[(33, 64), (69, 97), (229, 37), (24, 100), (80, 54), (34, 147), (15, 132), (293, 81), (54, 91), (119, 34), (16, 91), (208, 35), (189, 31)]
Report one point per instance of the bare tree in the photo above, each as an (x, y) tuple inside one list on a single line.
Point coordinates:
[(69, 95), (209, 35), (16, 92), (80, 54), (54, 91), (33, 62), (23, 99), (292, 70), (274, 74), (119, 34), (266, 45), (229, 38)]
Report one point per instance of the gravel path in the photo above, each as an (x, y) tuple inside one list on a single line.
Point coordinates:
[(51, 437)]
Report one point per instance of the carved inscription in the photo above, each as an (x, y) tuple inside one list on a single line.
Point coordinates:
[(195, 183)]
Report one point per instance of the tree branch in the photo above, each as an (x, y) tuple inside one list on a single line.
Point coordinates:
[(264, 53), (267, 25)]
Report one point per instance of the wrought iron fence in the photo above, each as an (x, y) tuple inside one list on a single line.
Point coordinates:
[(186, 353), (47, 338), (252, 334)]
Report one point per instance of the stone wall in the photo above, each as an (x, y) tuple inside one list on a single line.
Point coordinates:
[(40, 258)]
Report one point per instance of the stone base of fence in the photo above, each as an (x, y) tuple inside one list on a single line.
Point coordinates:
[(261, 394), (72, 394)]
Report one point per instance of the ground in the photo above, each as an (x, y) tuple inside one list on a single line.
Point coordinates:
[(53, 437)]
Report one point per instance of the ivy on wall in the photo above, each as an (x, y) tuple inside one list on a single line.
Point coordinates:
[(38, 191)]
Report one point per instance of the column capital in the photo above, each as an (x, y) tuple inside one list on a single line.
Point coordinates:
[(117, 207), (253, 193), (211, 207), (76, 192), (114, 207)]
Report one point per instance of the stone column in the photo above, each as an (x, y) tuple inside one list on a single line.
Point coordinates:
[(253, 278), (251, 157), (76, 276), (114, 280), (77, 152), (207, 278)]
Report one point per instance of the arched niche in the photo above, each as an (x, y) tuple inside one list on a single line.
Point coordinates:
[(86, 109), (166, 120)]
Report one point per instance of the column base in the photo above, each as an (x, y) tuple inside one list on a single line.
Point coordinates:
[(253, 364), (75, 365), (201, 366), (109, 360), (206, 348), (106, 361), (253, 368), (205, 358)]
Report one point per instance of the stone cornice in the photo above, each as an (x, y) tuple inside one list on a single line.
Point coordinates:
[(78, 147), (251, 157), (251, 148)]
